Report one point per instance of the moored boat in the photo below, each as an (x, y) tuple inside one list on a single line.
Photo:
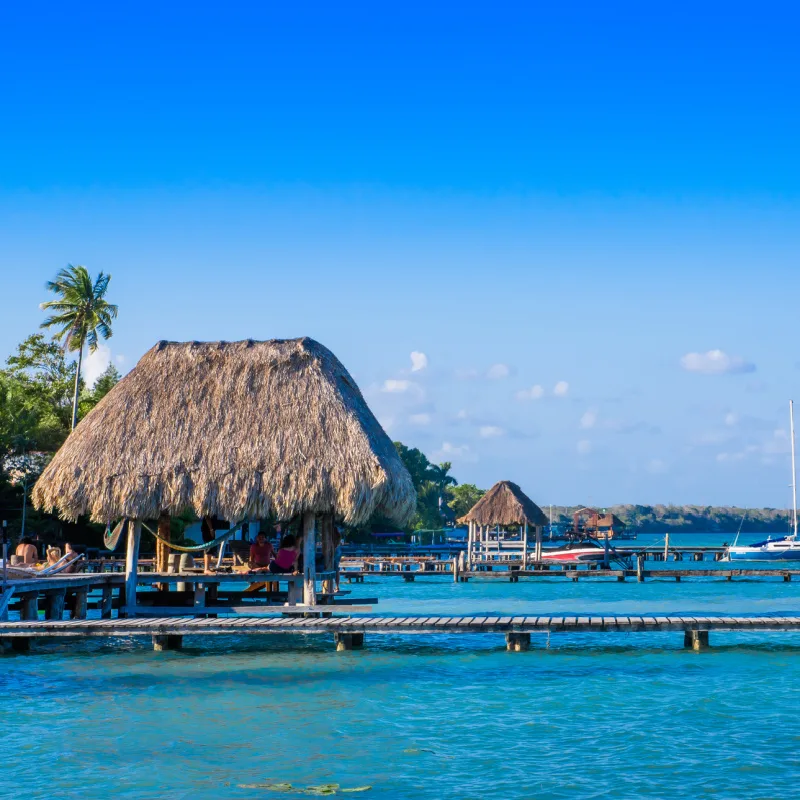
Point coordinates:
[(574, 552), (787, 548)]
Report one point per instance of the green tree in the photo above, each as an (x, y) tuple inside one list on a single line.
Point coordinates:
[(103, 385), (81, 313), (35, 389), (432, 483), (464, 497)]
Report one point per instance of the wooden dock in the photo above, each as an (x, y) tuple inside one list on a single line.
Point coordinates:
[(504, 572), (349, 632)]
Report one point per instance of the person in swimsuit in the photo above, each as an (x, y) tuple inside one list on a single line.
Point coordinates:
[(286, 558), (26, 550)]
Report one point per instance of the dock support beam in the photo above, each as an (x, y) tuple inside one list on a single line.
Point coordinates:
[(518, 642), (106, 602), (309, 559), (55, 604), (30, 606), (640, 568), (132, 566), (348, 641), (162, 642), (695, 640)]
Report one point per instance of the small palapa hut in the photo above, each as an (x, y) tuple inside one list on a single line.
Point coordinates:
[(234, 430), (504, 505)]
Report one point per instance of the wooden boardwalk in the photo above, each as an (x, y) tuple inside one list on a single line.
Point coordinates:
[(167, 632)]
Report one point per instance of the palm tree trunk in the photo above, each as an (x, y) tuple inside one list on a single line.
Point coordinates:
[(77, 383)]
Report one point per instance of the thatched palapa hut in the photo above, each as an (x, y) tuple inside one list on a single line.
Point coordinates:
[(504, 505), (236, 430)]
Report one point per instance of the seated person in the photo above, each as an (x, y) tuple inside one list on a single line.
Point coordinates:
[(261, 554), (73, 556), (53, 556), (287, 557), (27, 551)]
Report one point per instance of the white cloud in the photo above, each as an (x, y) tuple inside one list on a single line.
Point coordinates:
[(589, 419), (462, 414), (716, 362), (419, 361), (420, 419), (395, 386), (656, 466), (534, 393), (731, 419), (498, 372), (561, 389), (584, 447), (450, 451), (490, 431), (95, 364)]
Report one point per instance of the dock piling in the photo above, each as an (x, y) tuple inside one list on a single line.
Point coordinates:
[(518, 642), (348, 641), (162, 642), (695, 640)]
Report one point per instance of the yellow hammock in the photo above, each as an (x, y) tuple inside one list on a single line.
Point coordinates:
[(112, 538), (198, 548)]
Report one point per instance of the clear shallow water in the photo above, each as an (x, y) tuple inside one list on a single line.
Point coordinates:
[(596, 715)]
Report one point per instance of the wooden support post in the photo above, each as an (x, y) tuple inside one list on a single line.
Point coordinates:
[(30, 606), (348, 641), (55, 604), (162, 642), (518, 642), (455, 569), (81, 604), (470, 532), (132, 566), (106, 602), (695, 640), (525, 546), (538, 544), (328, 551), (640, 568), (787, 577), (162, 551), (666, 546), (309, 559)]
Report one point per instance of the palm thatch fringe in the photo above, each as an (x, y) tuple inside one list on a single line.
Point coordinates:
[(505, 504), (230, 429)]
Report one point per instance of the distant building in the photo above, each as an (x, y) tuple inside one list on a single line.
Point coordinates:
[(597, 524)]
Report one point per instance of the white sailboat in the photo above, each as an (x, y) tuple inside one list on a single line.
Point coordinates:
[(787, 548)]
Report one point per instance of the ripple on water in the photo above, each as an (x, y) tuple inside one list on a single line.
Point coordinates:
[(611, 716)]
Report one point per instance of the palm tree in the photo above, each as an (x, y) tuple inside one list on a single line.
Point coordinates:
[(81, 313)]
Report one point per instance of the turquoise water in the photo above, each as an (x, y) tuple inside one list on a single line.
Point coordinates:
[(593, 716)]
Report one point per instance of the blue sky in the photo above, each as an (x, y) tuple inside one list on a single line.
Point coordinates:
[(593, 197)]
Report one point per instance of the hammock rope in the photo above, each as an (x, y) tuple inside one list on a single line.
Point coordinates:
[(198, 548)]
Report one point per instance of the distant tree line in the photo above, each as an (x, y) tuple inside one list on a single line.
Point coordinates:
[(688, 518)]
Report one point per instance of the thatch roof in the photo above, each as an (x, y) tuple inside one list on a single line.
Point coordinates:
[(505, 504), (234, 429)]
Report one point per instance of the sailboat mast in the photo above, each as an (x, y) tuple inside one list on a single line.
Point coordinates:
[(794, 472)]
